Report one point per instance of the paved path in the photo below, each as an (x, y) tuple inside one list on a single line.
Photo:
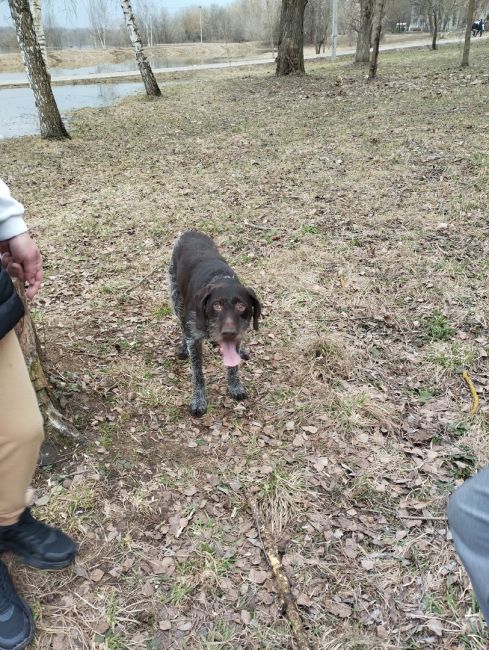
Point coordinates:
[(131, 75)]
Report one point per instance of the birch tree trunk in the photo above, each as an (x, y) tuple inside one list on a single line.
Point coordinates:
[(50, 120), (290, 57), (364, 37), (39, 29), (468, 33), (379, 10), (147, 75), (29, 342)]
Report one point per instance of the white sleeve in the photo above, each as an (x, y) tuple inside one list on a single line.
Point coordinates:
[(11, 215)]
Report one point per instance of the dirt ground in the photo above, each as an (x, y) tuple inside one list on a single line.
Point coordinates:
[(358, 212)]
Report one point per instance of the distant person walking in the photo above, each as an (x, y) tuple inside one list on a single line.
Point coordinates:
[(21, 432), (478, 27)]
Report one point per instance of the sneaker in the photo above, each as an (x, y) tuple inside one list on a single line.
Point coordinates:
[(39, 545), (16, 622)]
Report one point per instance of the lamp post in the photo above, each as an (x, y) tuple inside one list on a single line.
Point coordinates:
[(201, 48)]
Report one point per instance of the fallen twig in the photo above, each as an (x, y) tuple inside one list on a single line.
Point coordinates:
[(475, 398), (258, 227), (422, 518), (185, 523), (270, 550), (140, 282)]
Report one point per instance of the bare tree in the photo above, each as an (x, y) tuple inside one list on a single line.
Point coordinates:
[(364, 36), (147, 75), (270, 28), (50, 120), (379, 15), (146, 15), (99, 18), (468, 32), (435, 14), (290, 57), (435, 10), (316, 22)]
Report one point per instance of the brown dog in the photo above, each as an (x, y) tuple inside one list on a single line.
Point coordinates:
[(211, 303)]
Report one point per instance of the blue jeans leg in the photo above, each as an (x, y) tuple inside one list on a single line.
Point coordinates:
[(468, 517)]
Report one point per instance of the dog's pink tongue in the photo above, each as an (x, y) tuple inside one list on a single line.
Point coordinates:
[(230, 356)]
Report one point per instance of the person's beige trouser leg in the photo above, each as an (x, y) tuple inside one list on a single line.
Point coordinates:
[(21, 430)]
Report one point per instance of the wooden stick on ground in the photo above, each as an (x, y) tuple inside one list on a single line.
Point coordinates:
[(475, 398), (54, 421), (257, 226), (159, 267), (282, 583)]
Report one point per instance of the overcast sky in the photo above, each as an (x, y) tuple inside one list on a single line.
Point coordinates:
[(66, 18)]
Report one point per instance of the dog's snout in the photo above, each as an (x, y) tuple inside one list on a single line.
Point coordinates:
[(229, 329), (229, 332)]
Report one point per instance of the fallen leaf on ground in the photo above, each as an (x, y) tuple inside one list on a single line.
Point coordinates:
[(258, 577), (245, 616), (166, 566), (338, 609), (304, 600), (435, 626), (164, 625), (96, 575)]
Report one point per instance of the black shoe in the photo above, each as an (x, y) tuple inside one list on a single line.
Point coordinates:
[(39, 545), (16, 622)]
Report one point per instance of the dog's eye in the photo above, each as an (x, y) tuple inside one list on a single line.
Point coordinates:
[(240, 306), (217, 306)]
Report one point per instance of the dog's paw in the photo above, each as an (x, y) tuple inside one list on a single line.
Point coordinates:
[(197, 408), (238, 392)]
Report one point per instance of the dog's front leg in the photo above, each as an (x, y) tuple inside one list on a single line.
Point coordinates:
[(183, 351), (198, 405), (236, 388)]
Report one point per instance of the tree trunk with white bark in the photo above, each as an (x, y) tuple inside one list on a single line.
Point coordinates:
[(147, 75), (39, 29), (50, 120)]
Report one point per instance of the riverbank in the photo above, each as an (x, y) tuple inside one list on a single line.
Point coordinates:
[(357, 212), (74, 58), (89, 76)]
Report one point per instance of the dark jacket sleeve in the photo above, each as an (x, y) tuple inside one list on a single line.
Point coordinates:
[(11, 307)]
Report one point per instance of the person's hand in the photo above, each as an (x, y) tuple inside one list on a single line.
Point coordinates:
[(21, 259)]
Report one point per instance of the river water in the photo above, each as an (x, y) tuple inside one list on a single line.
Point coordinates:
[(129, 65), (18, 114)]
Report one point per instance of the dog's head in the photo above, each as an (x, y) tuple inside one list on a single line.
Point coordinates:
[(224, 311)]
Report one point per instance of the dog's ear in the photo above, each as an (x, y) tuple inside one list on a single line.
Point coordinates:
[(256, 307), (201, 298)]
